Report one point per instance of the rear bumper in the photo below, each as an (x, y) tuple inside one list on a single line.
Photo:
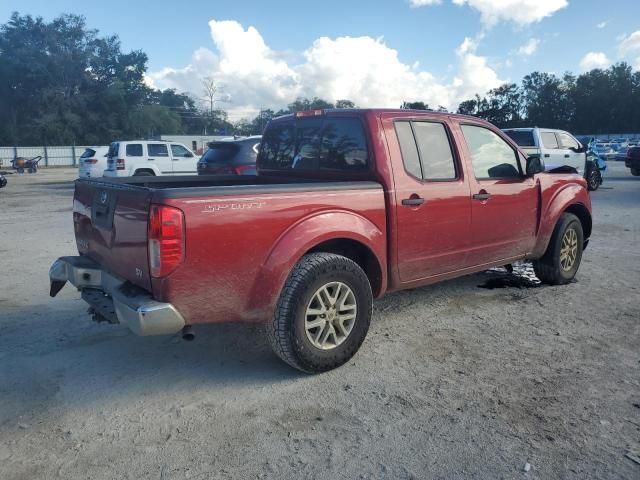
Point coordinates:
[(115, 299)]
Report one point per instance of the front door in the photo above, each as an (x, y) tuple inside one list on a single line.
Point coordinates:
[(504, 202), (573, 159), (433, 209), (184, 161)]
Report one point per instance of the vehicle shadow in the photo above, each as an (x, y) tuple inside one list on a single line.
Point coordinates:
[(53, 356)]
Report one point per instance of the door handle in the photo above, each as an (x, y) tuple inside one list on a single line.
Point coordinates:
[(482, 195), (151, 159), (546, 155), (566, 155), (413, 201)]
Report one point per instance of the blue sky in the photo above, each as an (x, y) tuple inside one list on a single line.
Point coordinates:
[(503, 43)]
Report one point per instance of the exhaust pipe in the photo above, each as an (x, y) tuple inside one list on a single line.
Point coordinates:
[(187, 334)]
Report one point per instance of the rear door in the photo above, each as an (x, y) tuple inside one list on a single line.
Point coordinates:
[(134, 156), (552, 155), (433, 208), (184, 162), (158, 155), (504, 203)]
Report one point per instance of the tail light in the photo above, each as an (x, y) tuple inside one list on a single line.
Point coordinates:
[(91, 161), (166, 240), (120, 164), (242, 168)]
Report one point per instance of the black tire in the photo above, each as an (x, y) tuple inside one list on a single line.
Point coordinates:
[(286, 331), (144, 173), (635, 172), (549, 268), (594, 179)]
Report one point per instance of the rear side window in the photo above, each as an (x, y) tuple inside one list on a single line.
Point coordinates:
[(89, 152), (408, 148), (158, 150), (549, 140), (220, 153), (523, 138), (491, 156), (315, 143), (426, 151), (435, 151), (135, 150)]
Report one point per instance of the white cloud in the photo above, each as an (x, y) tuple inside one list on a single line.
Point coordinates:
[(529, 48), (629, 44), (522, 12), (602, 24), (594, 60), (630, 47), (362, 69)]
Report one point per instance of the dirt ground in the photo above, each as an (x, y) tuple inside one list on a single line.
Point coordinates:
[(453, 381)]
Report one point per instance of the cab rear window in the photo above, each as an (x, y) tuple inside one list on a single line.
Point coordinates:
[(524, 138), (337, 143)]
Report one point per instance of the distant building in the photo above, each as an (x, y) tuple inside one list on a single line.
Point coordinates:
[(197, 143)]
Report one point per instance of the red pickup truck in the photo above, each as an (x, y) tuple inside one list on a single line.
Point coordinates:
[(346, 206)]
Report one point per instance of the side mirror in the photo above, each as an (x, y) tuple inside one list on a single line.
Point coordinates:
[(188, 155), (581, 149), (534, 165)]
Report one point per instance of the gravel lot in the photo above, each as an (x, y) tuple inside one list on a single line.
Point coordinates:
[(453, 381)]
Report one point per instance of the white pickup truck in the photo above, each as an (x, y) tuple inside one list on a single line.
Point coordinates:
[(149, 158), (556, 148)]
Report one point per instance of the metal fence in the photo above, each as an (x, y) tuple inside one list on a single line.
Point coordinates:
[(66, 156)]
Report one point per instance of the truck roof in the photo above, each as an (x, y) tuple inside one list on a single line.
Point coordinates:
[(376, 111)]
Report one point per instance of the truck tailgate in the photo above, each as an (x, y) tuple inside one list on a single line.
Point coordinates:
[(110, 222)]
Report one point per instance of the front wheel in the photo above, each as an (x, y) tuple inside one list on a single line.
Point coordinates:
[(594, 179), (323, 313), (561, 261), (635, 172)]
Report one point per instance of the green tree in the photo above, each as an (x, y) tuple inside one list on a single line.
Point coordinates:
[(414, 106)]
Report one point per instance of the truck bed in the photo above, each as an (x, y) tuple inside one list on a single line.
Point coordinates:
[(232, 224)]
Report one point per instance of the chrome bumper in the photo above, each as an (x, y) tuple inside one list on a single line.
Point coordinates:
[(111, 298)]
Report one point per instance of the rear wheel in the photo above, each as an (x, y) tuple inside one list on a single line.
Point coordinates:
[(635, 172), (323, 313), (561, 261)]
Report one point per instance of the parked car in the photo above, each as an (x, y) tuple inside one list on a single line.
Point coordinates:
[(556, 148), (230, 157), (149, 158), (347, 205), (93, 162), (633, 161)]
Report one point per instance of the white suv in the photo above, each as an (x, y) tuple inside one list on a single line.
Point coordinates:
[(149, 157), (556, 148)]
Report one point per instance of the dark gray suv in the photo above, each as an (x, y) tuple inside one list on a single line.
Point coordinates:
[(230, 157)]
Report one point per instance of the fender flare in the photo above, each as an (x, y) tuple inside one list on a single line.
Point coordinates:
[(300, 238), (573, 198)]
